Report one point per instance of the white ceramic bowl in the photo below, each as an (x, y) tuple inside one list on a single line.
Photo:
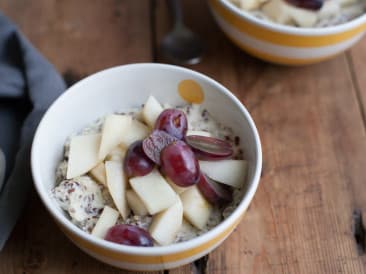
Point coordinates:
[(119, 89), (283, 44)]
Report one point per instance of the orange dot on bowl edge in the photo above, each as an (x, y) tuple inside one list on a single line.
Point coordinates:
[(191, 91)]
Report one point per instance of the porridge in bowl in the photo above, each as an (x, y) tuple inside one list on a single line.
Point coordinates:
[(304, 13), (151, 177)]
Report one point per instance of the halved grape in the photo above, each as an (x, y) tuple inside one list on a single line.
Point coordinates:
[(179, 164), (129, 235), (213, 191), (155, 143), (209, 148), (173, 122), (307, 4), (136, 162)]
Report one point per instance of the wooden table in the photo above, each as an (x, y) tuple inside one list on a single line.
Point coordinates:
[(312, 194)]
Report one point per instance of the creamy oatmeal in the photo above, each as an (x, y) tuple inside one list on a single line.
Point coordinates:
[(304, 13), (84, 197)]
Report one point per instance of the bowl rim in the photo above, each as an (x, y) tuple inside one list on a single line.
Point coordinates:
[(156, 250), (291, 29)]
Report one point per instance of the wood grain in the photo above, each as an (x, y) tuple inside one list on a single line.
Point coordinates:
[(85, 36), (314, 145), (80, 37), (357, 58)]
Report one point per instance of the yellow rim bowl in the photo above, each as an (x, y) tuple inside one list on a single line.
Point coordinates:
[(283, 44), (120, 89)]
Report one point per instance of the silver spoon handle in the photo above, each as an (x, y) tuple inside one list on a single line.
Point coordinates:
[(2, 168), (176, 11)]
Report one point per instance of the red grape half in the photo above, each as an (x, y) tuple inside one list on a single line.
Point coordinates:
[(179, 164), (155, 143), (307, 4), (136, 162), (129, 235), (209, 148), (213, 191), (172, 121)]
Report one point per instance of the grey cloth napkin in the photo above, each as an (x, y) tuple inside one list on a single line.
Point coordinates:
[(28, 85)]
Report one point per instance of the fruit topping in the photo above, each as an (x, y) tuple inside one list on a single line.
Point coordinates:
[(228, 172), (214, 192), (129, 235), (209, 148), (154, 191), (136, 162), (307, 4), (179, 164), (173, 122), (155, 143), (196, 209)]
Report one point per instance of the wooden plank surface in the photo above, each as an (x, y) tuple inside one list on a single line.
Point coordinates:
[(314, 157), (357, 60), (309, 118), (78, 37)]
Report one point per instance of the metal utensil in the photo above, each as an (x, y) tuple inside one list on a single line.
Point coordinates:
[(2, 168), (181, 45)]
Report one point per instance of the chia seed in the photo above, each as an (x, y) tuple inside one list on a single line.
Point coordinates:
[(237, 140)]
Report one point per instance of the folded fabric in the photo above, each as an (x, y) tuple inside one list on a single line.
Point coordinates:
[(28, 85)]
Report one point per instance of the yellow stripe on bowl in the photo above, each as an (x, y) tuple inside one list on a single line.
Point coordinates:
[(282, 54), (145, 259), (279, 38)]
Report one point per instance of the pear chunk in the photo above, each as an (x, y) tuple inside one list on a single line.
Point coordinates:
[(196, 209), (136, 131), (151, 111), (98, 172), (154, 191), (117, 154), (277, 10), (83, 155), (107, 219), (135, 203), (114, 128), (303, 18), (117, 184), (229, 172), (176, 188), (199, 133), (250, 4), (166, 224)]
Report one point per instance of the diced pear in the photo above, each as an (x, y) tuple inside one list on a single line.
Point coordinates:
[(236, 2), (346, 2), (107, 219), (114, 128), (117, 154), (135, 203), (167, 105), (154, 191), (196, 209), (117, 184), (277, 10), (136, 131), (199, 132), (83, 155), (176, 188), (151, 111), (166, 224), (250, 4), (138, 115), (329, 9), (303, 18), (98, 172), (229, 172)]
